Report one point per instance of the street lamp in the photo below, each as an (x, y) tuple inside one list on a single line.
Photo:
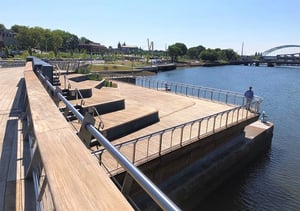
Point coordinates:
[(46, 43)]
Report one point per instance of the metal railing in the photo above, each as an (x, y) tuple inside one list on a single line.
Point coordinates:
[(79, 95), (170, 139), (146, 184), (94, 112), (218, 95)]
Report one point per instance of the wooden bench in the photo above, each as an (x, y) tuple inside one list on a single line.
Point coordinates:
[(75, 179)]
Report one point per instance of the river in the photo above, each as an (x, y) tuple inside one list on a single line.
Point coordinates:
[(272, 181)]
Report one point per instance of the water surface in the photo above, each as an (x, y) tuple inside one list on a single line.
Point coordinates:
[(272, 182)]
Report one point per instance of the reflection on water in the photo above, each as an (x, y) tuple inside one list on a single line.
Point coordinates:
[(272, 182)]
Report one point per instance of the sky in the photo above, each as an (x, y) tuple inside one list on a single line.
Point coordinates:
[(259, 24)]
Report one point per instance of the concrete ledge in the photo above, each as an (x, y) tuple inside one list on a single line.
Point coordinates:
[(106, 107), (130, 122), (198, 169), (86, 93)]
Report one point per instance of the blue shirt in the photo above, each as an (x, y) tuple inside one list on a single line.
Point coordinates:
[(249, 94)]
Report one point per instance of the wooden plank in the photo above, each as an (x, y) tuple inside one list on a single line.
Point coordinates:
[(76, 180), (10, 172)]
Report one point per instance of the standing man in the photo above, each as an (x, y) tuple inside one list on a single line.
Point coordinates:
[(249, 97)]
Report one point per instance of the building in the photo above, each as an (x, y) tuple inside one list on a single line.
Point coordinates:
[(7, 38), (129, 49), (91, 47)]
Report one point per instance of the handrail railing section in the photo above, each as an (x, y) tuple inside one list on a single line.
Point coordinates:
[(101, 123), (212, 94), (78, 94), (170, 139)]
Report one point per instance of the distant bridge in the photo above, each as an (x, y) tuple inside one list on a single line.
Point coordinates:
[(267, 52), (290, 59)]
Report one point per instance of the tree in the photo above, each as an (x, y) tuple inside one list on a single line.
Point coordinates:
[(56, 41), (6, 52), (209, 55), (230, 54), (72, 42), (2, 26), (182, 47), (194, 52), (23, 36), (175, 50)]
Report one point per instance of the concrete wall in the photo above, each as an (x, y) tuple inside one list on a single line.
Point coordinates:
[(198, 169)]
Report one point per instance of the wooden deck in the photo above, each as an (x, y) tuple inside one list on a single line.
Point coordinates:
[(173, 109), (14, 156), (74, 177)]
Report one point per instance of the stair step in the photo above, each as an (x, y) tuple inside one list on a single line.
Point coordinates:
[(124, 122)]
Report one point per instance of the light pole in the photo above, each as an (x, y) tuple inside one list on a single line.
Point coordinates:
[(46, 44)]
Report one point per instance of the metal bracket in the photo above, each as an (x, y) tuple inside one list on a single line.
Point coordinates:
[(66, 112), (84, 134), (55, 98)]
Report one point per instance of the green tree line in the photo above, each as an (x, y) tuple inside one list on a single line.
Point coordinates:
[(45, 39), (201, 53), (58, 40)]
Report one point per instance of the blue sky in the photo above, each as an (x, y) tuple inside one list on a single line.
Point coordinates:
[(260, 24)]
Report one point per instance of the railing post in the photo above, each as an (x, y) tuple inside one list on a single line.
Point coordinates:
[(199, 129), (226, 124), (181, 136), (172, 137), (160, 143), (214, 124), (133, 153), (237, 116)]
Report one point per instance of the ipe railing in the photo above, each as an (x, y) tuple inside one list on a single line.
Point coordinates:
[(148, 147)]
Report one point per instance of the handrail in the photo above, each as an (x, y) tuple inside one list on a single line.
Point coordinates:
[(101, 123), (66, 79), (154, 192), (195, 130), (82, 102), (212, 94)]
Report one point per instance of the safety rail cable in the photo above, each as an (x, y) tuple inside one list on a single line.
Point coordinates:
[(213, 94), (67, 81), (151, 189), (241, 113), (101, 123), (82, 102)]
